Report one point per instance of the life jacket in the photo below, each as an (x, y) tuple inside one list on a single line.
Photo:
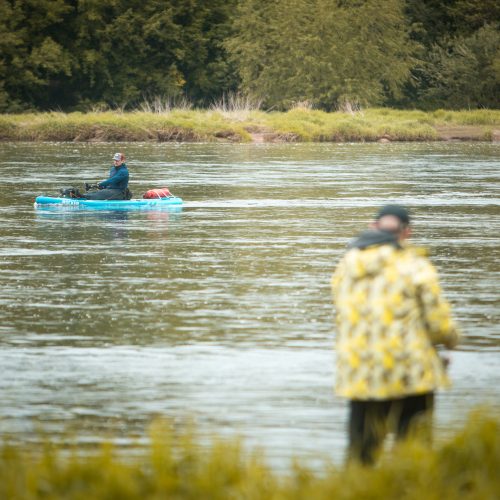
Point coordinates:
[(157, 193)]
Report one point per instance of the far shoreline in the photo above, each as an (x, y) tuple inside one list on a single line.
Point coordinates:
[(382, 125), (456, 133)]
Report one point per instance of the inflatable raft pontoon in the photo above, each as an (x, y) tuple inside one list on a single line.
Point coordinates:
[(137, 203)]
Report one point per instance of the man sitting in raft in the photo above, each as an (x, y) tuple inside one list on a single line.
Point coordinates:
[(116, 186)]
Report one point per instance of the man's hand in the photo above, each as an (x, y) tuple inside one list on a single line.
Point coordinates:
[(90, 187)]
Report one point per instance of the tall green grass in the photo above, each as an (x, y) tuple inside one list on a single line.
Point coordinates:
[(466, 466), (229, 121)]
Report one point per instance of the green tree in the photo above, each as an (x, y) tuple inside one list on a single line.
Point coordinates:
[(75, 54), (464, 72), (371, 52), (33, 51), (204, 63), (458, 61), (433, 20), (78, 53), (127, 49), (132, 50), (471, 15), (321, 51)]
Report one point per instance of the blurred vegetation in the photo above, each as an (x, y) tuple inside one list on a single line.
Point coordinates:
[(239, 121), (465, 465), (94, 54), (327, 53), (88, 55)]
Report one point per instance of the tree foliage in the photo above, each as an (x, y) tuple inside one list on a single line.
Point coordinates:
[(464, 72), (458, 65), (321, 51), (69, 53), (82, 54), (32, 48)]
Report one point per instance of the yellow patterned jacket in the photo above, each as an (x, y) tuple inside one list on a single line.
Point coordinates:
[(390, 314)]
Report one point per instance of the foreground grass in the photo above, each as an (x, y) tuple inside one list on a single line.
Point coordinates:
[(465, 466), (297, 125)]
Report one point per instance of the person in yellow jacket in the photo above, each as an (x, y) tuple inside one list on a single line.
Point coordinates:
[(390, 317)]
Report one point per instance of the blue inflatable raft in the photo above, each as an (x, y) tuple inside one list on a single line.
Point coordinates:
[(138, 203)]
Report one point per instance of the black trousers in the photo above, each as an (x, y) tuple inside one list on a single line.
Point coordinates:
[(369, 422), (105, 194)]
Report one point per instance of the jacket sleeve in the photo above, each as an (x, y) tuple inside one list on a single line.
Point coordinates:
[(119, 175), (337, 278), (436, 310)]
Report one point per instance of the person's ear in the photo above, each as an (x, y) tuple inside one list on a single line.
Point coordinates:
[(373, 225)]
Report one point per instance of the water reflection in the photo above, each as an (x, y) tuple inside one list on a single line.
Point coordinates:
[(222, 311)]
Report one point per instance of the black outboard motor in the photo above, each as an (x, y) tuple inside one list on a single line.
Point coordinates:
[(70, 192)]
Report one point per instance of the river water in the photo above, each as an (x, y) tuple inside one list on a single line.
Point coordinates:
[(220, 314)]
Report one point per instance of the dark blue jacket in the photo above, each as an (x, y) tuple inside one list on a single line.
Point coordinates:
[(118, 178)]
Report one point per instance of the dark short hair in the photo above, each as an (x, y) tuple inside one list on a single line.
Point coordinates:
[(395, 210)]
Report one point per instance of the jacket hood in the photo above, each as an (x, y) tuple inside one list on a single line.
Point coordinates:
[(372, 238)]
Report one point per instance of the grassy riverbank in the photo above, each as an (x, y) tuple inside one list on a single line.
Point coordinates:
[(246, 125), (465, 466)]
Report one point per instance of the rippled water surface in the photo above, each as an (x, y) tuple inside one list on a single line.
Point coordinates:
[(221, 313)]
